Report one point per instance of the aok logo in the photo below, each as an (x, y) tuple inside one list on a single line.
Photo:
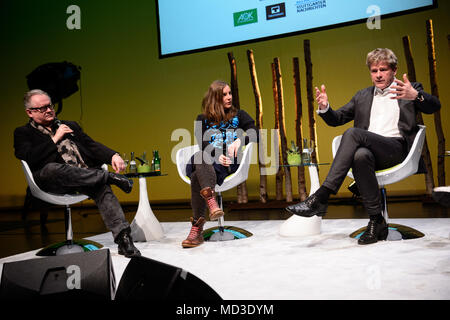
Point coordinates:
[(245, 17)]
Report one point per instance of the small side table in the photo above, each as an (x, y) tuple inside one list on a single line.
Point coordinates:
[(145, 226), (297, 226)]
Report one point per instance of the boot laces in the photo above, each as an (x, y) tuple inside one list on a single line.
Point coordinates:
[(212, 204), (194, 232), (371, 227)]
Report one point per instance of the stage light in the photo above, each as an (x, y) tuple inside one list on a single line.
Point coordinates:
[(58, 79)]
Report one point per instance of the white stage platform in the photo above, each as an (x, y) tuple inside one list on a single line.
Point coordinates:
[(328, 266)]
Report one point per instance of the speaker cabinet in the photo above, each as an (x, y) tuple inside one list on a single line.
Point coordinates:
[(147, 279), (86, 275)]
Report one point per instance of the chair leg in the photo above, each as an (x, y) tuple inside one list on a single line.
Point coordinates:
[(384, 204), (27, 203), (395, 231), (221, 235), (70, 245), (221, 220), (68, 224)]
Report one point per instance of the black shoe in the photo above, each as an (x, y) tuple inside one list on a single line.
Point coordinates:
[(308, 208), (125, 243), (121, 181), (375, 231)]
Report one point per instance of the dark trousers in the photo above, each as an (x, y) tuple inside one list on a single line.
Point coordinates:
[(365, 152), (62, 178), (203, 176)]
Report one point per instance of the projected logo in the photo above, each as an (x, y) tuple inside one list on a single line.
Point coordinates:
[(275, 11), (308, 5), (245, 17)]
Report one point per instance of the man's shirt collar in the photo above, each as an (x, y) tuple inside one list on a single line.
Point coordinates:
[(386, 90)]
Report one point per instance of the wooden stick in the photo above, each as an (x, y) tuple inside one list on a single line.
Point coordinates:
[(298, 128), (259, 124), (429, 181), (287, 170), (279, 175), (310, 98), (437, 114), (233, 82), (241, 189)]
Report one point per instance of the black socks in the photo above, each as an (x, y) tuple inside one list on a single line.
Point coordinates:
[(377, 217), (323, 193)]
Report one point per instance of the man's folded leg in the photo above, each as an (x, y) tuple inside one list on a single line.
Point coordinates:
[(114, 219), (363, 151), (63, 178)]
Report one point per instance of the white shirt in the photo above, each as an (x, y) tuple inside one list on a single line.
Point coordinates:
[(384, 114)]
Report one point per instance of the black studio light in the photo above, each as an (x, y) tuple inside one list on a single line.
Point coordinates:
[(58, 79)]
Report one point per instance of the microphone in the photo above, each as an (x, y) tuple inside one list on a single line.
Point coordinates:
[(58, 123), (225, 154)]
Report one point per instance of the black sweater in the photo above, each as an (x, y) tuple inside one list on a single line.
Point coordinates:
[(215, 136)]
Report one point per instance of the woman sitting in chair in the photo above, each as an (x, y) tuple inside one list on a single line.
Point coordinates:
[(221, 129)]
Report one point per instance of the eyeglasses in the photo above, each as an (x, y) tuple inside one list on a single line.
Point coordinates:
[(43, 108)]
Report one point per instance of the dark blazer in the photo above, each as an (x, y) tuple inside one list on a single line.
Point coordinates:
[(38, 149), (359, 107)]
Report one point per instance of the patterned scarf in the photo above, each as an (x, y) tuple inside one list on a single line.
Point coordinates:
[(66, 148)]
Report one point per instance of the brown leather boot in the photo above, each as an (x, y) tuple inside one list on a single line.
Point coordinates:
[(195, 237), (210, 197)]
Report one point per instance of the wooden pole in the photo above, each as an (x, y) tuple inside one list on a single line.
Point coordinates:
[(259, 125), (279, 175), (310, 98), (283, 141), (298, 128), (242, 193), (233, 82), (437, 114), (429, 181)]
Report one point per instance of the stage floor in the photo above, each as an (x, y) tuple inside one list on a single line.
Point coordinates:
[(267, 266)]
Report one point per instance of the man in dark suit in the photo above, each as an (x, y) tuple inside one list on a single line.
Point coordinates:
[(63, 159), (384, 129)]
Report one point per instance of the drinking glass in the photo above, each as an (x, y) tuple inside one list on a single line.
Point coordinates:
[(125, 160)]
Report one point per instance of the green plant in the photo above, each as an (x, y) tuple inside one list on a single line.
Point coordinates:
[(294, 155), (293, 149)]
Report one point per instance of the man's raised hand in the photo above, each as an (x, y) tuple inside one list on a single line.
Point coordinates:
[(321, 97), (404, 89)]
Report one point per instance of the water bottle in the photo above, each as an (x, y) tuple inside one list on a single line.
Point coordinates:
[(156, 161), (133, 167), (306, 156)]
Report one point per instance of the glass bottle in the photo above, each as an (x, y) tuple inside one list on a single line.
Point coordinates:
[(153, 161), (156, 161), (133, 167)]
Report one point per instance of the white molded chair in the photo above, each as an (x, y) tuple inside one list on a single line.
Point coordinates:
[(298, 226), (394, 174), (442, 195), (184, 155), (69, 245)]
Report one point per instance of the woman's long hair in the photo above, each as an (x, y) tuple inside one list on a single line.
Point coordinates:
[(212, 104)]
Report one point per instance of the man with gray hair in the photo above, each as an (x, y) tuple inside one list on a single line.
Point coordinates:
[(64, 159), (384, 129)]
